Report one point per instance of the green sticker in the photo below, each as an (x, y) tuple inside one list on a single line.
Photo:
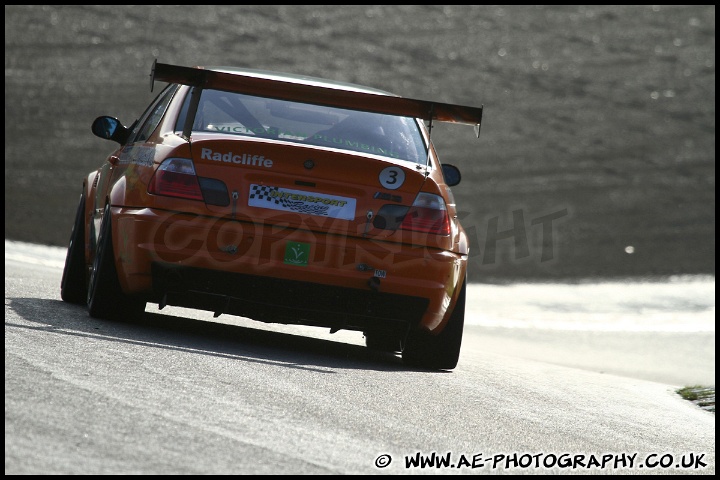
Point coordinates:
[(297, 253)]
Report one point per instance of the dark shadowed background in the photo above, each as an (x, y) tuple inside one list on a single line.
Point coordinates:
[(597, 152)]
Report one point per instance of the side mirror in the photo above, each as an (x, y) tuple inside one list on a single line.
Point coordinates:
[(451, 174), (110, 128)]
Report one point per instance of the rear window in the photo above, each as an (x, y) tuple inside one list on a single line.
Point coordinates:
[(246, 115)]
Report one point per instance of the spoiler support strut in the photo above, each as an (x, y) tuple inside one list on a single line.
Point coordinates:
[(430, 127)]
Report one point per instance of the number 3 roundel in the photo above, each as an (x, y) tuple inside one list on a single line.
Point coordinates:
[(392, 178)]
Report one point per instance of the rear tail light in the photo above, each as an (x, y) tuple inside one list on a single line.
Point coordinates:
[(175, 177), (428, 214)]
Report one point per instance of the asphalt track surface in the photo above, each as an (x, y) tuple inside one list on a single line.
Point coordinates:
[(183, 393)]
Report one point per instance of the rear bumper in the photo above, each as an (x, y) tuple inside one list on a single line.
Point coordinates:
[(277, 300), (248, 269)]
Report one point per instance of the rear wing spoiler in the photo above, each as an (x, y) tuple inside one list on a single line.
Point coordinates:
[(298, 92)]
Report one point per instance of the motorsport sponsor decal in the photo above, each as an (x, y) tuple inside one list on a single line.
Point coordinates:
[(138, 155), (297, 253), (297, 201), (230, 157)]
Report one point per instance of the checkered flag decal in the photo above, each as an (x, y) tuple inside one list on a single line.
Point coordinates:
[(262, 192)]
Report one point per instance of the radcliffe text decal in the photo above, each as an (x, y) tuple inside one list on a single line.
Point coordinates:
[(230, 157)]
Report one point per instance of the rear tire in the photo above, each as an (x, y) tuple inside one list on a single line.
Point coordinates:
[(438, 352), (73, 286), (105, 298)]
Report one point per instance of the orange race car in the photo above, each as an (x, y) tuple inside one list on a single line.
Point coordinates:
[(282, 198)]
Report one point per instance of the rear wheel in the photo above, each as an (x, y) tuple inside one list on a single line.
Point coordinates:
[(73, 286), (105, 298), (438, 351)]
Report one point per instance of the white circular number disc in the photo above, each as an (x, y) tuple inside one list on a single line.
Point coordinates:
[(392, 178)]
